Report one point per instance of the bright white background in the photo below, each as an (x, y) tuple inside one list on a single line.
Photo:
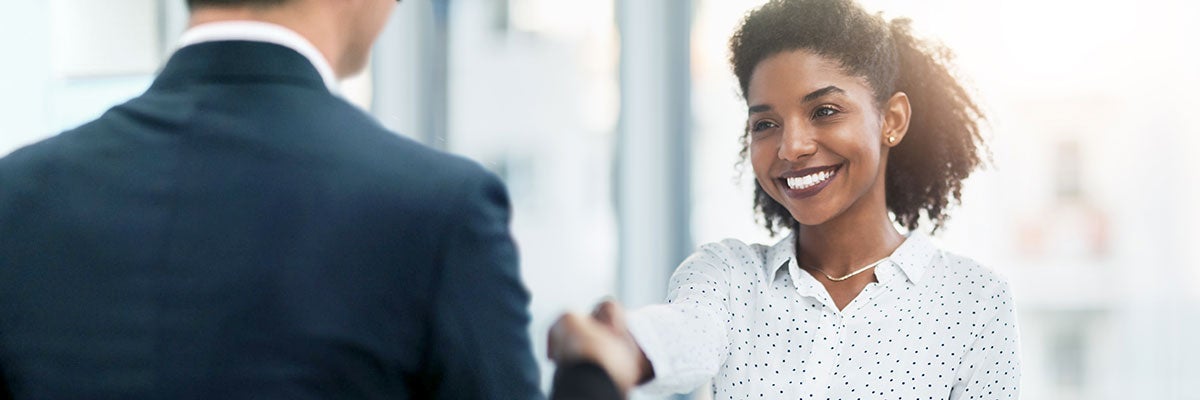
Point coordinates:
[(1088, 207)]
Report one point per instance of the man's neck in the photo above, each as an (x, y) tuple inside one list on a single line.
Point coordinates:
[(321, 32)]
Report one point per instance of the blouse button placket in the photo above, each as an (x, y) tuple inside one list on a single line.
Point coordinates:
[(827, 350)]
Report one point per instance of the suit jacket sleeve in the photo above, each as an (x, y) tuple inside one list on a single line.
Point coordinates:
[(480, 333), (5, 394), (584, 381)]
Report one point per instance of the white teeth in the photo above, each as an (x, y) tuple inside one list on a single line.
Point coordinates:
[(807, 181)]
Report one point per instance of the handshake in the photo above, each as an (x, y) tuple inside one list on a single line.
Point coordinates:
[(601, 340)]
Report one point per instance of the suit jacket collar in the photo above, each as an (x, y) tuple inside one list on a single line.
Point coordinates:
[(260, 31), (238, 62)]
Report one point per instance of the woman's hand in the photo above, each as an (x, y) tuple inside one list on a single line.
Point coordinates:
[(601, 338)]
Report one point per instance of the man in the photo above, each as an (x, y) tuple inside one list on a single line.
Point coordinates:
[(240, 231)]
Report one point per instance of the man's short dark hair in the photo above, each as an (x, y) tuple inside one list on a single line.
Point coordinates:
[(194, 4)]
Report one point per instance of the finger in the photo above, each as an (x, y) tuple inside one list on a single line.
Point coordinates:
[(552, 339), (558, 335), (612, 315), (568, 334), (603, 301), (609, 312), (603, 311)]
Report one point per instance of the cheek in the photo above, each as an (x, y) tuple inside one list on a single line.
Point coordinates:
[(859, 143), (871, 150), (762, 155)]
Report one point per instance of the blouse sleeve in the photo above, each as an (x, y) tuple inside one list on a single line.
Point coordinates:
[(991, 368), (686, 340)]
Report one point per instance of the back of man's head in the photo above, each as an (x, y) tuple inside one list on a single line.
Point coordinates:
[(193, 4), (342, 30)]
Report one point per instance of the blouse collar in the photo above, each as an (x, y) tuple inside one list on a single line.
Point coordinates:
[(912, 259)]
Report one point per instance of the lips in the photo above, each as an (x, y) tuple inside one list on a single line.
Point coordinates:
[(809, 181)]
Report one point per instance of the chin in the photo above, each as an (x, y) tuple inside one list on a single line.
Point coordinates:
[(812, 216), (809, 219)]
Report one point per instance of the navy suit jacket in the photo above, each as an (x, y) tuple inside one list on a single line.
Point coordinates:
[(583, 381), (238, 232)]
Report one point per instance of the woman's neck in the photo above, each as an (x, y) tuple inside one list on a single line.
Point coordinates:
[(858, 236)]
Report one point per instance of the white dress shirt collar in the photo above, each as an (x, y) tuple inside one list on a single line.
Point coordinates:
[(910, 258), (256, 31)]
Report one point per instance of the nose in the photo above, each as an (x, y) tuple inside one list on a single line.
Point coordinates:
[(796, 143)]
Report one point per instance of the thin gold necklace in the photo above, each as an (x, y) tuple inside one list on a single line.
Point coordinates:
[(859, 271)]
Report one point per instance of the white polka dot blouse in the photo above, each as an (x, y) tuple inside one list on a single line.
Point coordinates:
[(748, 318)]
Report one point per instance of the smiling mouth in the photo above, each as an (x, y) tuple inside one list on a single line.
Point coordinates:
[(807, 182), (810, 177)]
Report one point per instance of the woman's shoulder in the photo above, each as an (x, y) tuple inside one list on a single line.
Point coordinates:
[(736, 248), (957, 270), (732, 245), (736, 255)]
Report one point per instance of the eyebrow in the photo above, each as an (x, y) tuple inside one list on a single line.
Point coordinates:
[(822, 92), (759, 108), (816, 94)]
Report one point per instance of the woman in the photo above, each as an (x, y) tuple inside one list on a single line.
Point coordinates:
[(850, 119)]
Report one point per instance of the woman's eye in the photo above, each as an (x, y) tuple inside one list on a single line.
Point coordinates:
[(825, 111), (763, 125)]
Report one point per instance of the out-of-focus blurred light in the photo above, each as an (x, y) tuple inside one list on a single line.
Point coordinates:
[(558, 18)]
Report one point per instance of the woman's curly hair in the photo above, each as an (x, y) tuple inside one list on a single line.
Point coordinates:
[(925, 171)]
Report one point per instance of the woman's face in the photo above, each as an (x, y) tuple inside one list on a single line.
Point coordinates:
[(817, 140)]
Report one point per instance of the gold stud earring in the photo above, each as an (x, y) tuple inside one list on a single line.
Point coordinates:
[(891, 139)]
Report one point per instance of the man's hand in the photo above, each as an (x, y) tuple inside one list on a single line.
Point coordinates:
[(601, 338)]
